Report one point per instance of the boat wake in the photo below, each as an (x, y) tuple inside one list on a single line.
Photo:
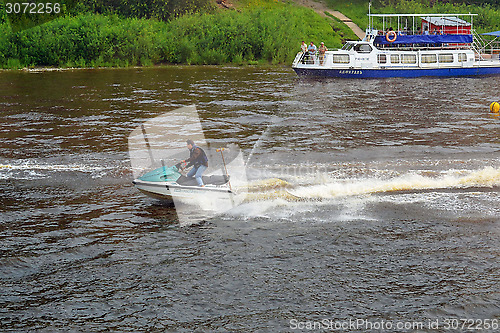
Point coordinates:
[(274, 189), (472, 193)]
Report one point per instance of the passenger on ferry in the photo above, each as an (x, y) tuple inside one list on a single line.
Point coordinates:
[(426, 31), (303, 47), (321, 51), (312, 52)]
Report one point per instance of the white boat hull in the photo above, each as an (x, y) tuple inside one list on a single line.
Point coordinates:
[(493, 69), (172, 190)]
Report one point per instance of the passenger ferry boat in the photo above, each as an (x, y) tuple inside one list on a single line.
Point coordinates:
[(442, 45)]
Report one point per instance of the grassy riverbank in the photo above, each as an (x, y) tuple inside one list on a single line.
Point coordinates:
[(258, 32)]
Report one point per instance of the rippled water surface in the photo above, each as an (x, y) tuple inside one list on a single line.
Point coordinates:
[(399, 217)]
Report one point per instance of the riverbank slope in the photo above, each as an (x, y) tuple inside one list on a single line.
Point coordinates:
[(322, 9), (244, 32), (257, 32)]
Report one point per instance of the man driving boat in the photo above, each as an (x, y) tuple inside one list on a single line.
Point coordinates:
[(198, 159)]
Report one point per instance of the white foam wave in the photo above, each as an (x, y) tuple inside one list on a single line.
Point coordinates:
[(53, 167), (487, 177), (32, 170)]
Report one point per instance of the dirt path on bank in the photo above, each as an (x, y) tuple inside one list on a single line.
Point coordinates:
[(321, 8)]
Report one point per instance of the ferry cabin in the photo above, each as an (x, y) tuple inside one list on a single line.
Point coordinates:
[(357, 59), (364, 55)]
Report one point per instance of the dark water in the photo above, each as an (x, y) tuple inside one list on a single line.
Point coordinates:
[(406, 228)]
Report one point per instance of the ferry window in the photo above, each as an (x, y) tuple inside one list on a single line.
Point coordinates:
[(341, 58), (462, 57), (428, 58), (363, 48), (347, 46), (445, 58), (382, 58), (395, 58), (409, 59)]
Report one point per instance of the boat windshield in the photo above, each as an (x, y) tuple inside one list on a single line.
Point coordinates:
[(363, 48), (347, 46)]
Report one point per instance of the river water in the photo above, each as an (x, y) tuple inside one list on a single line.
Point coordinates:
[(398, 220)]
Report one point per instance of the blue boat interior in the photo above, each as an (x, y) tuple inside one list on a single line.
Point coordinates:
[(172, 174), (162, 174)]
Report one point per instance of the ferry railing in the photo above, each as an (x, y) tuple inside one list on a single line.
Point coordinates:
[(298, 58), (485, 50), (412, 21), (478, 45), (307, 59)]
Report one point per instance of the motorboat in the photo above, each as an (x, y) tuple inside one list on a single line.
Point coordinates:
[(157, 146), (168, 182)]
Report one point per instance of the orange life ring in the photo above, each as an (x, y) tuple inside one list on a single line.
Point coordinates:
[(389, 39)]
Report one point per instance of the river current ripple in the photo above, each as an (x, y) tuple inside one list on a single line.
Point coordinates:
[(402, 224)]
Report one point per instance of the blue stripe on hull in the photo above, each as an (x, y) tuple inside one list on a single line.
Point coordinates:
[(387, 73)]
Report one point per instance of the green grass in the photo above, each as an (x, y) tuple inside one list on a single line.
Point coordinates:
[(84, 41), (272, 34), (260, 32)]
